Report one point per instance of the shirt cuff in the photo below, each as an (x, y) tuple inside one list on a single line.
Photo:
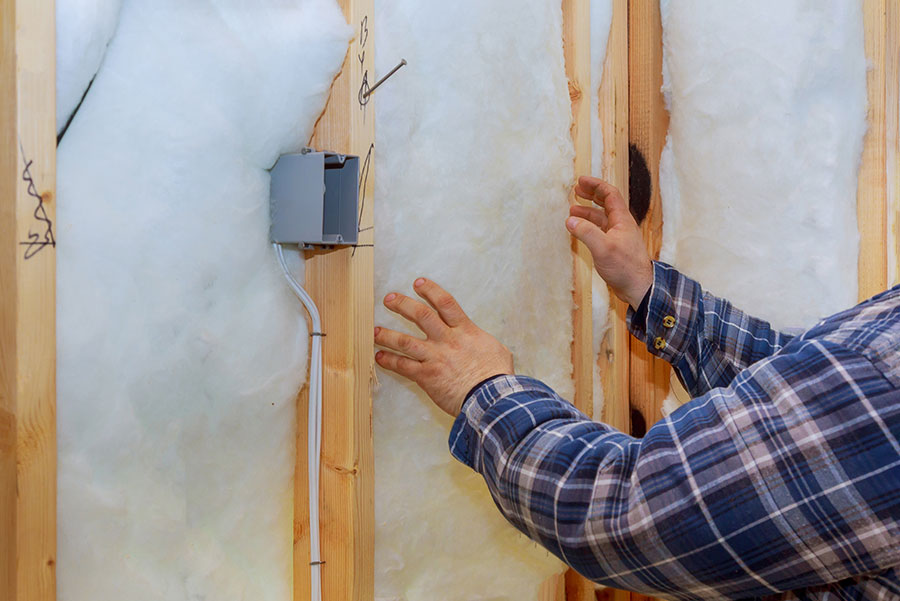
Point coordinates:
[(465, 436), (668, 313)]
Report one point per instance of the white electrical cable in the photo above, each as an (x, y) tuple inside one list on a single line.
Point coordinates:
[(314, 439)]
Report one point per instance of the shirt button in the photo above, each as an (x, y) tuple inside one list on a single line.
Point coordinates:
[(659, 344), (668, 321)]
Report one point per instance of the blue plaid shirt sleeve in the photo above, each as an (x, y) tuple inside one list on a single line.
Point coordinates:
[(706, 339), (784, 483)]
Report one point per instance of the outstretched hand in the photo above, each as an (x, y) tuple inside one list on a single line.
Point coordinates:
[(455, 356), (614, 239)]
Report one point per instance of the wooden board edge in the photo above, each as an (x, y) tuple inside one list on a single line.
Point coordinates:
[(892, 133), (341, 282), (577, 52), (614, 356), (871, 199), (647, 128), (28, 298)]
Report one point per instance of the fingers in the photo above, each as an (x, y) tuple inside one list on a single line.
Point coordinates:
[(419, 313), (586, 187), (442, 301), (591, 235), (602, 193), (404, 343), (593, 214), (406, 367)]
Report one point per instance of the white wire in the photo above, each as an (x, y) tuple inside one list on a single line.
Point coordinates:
[(314, 438)]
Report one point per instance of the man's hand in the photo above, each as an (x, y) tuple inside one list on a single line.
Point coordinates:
[(456, 356), (614, 239)]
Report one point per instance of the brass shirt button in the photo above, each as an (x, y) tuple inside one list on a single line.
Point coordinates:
[(668, 321), (659, 344)]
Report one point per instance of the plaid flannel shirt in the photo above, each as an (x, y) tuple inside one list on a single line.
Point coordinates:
[(779, 480)]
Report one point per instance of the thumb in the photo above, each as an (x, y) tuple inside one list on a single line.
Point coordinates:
[(591, 235)]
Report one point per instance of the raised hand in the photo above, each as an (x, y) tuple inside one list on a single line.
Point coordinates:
[(614, 239)]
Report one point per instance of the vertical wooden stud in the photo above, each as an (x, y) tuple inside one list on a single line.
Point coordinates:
[(892, 138), (577, 50), (614, 353), (341, 283), (27, 297), (647, 126), (871, 199)]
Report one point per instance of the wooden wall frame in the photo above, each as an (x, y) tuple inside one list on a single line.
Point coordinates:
[(28, 300), (341, 284), (878, 195), (632, 113)]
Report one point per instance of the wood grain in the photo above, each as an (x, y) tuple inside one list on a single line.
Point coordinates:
[(614, 359), (27, 297), (341, 283), (553, 589), (614, 354), (577, 50), (892, 138), (648, 123), (871, 198), (647, 126)]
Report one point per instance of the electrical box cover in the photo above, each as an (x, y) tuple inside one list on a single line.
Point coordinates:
[(315, 198)]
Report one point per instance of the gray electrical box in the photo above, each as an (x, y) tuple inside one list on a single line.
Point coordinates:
[(315, 199)]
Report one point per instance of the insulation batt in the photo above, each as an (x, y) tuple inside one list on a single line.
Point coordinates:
[(180, 346), (474, 163), (83, 31), (759, 174)]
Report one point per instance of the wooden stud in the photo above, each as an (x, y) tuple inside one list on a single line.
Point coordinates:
[(614, 353), (647, 126), (341, 283), (872, 208), (611, 594), (892, 136), (27, 297), (577, 49), (553, 589)]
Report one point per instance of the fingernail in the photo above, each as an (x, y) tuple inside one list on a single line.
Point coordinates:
[(419, 282), (571, 223), (377, 330), (379, 354), (390, 297)]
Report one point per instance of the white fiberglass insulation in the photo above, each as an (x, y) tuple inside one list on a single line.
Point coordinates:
[(759, 176), (84, 28), (474, 162), (180, 346)]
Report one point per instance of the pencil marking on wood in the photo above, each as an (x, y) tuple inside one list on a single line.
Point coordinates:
[(363, 185), (36, 241), (361, 57)]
